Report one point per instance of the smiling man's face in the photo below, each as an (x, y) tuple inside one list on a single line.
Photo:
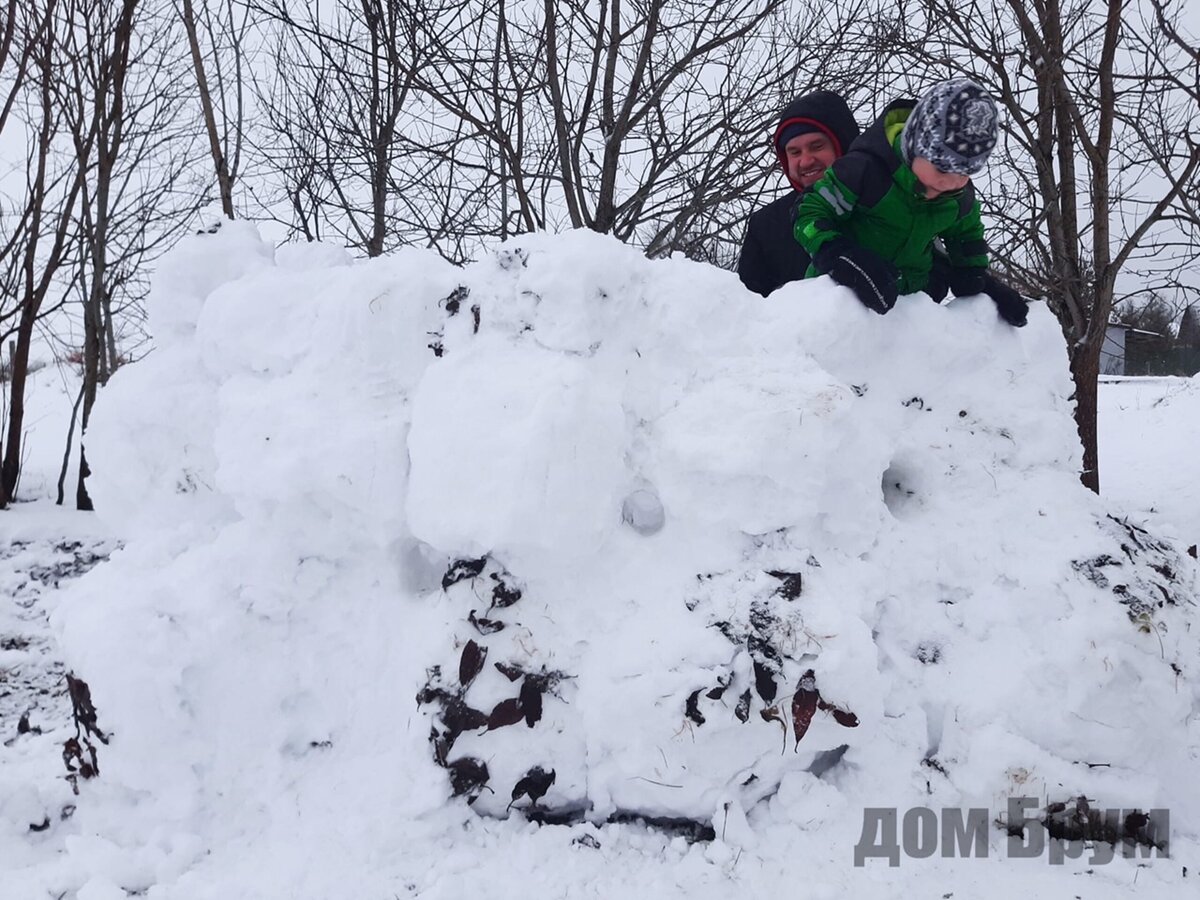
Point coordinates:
[(808, 156)]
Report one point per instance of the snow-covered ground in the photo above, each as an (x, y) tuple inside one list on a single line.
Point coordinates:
[(393, 531), (1150, 449)]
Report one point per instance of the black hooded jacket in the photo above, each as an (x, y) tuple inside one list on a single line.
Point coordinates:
[(771, 256)]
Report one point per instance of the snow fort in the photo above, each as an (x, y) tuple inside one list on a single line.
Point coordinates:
[(571, 536)]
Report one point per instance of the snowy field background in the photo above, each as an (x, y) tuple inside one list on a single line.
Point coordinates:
[(1150, 435), (658, 504)]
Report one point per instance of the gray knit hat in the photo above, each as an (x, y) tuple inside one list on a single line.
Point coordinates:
[(954, 126)]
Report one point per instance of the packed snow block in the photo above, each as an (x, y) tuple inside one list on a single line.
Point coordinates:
[(311, 256), (151, 430), (326, 481), (152, 436), (791, 420), (515, 449), (294, 442), (605, 302), (636, 731), (373, 321), (194, 268)]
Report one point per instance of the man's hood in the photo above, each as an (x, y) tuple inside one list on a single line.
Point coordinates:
[(825, 111), (879, 139)]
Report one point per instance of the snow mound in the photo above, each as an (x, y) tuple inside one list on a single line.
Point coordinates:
[(582, 537)]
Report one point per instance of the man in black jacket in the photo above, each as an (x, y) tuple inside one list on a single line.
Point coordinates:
[(813, 131)]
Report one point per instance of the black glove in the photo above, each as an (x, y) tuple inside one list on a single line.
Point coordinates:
[(965, 282), (869, 275), (1012, 307), (939, 278)]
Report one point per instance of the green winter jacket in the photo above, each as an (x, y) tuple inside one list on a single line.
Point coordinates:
[(871, 196)]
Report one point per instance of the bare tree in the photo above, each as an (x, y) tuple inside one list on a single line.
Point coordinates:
[(481, 129), (642, 119), (1154, 314), (1154, 345), (39, 230), (1099, 157), (120, 88), (220, 85), (343, 76), (456, 123), (644, 100), (16, 51)]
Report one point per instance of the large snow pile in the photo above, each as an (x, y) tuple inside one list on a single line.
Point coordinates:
[(582, 537)]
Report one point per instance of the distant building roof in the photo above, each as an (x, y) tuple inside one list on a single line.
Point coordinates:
[(1135, 333)]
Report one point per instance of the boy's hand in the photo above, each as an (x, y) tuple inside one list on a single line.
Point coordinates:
[(869, 275), (938, 285), (1012, 307), (967, 281)]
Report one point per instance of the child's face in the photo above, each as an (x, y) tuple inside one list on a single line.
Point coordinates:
[(935, 180)]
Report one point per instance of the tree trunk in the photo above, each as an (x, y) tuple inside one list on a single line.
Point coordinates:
[(82, 500), (1085, 372), (561, 133), (66, 462), (92, 348), (380, 139), (110, 123), (220, 165), (10, 470)]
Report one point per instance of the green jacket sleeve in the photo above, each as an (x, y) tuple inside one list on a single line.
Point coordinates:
[(827, 203), (964, 241)]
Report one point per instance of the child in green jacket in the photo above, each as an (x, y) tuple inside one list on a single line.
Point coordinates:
[(870, 223)]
